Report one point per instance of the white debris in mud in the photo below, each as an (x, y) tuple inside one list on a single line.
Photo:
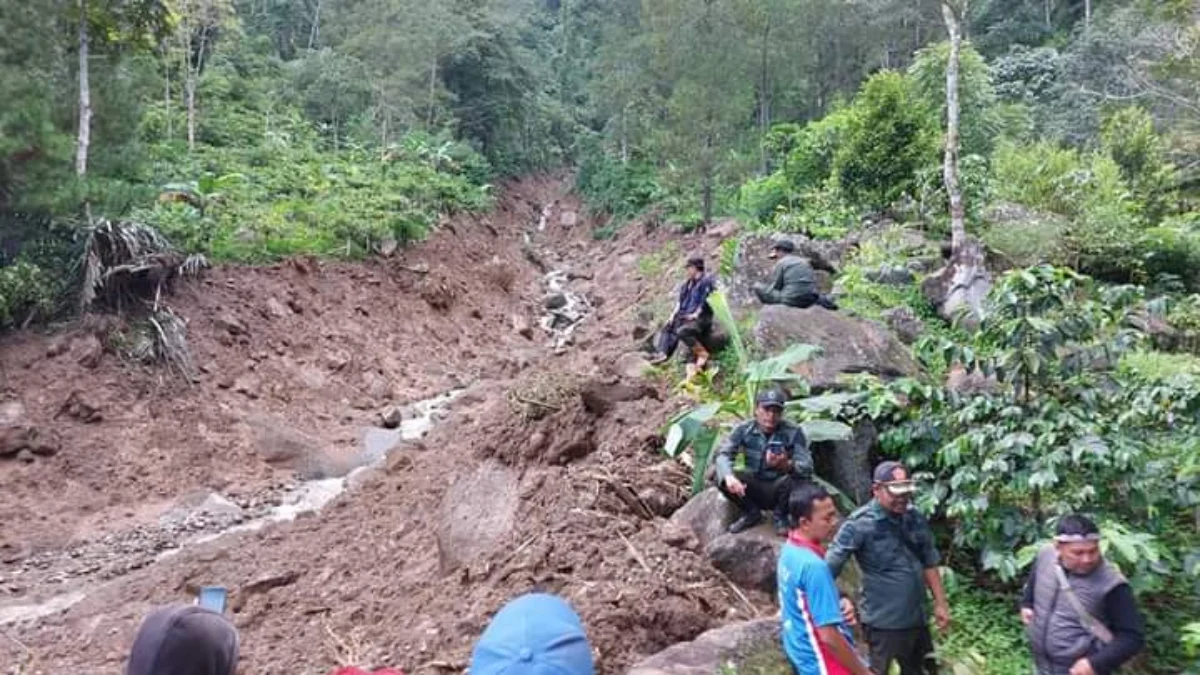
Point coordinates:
[(565, 309)]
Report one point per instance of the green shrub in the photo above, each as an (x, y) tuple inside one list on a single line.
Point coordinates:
[(1129, 138), (620, 189), (1027, 242), (26, 292), (890, 138), (810, 162), (760, 198), (981, 120)]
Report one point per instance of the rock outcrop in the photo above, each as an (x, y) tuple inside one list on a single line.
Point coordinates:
[(849, 344)]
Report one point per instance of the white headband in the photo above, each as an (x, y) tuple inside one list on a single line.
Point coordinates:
[(1075, 538)]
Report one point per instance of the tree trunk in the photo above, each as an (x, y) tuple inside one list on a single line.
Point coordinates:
[(1087, 13), (958, 232), (167, 97), (764, 103), (85, 96), (190, 87), (315, 30), (432, 90)]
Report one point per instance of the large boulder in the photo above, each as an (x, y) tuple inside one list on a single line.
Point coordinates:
[(904, 323), (477, 513), (715, 651), (312, 457), (960, 288), (708, 514), (847, 464), (849, 345), (748, 558)]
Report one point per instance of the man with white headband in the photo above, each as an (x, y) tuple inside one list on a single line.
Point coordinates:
[(1078, 610), (893, 545)]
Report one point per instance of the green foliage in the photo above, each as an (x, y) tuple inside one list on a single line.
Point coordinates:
[(26, 292), (1069, 428), (987, 635), (619, 189), (1129, 138), (889, 139), (980, 118)]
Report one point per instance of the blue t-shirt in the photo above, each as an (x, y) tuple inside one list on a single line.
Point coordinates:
[(809, 600)]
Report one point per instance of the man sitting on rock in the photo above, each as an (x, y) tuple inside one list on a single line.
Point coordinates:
[(691, 322), (815, 634), (792, 281), (775, 451)]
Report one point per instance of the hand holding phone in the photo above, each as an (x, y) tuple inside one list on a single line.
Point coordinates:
[(212, 597)]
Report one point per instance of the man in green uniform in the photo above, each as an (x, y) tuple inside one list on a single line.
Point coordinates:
[(776, 452), (792, 280), (894, 547)]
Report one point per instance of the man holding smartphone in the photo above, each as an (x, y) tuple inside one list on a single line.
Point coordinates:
[(775, 453)]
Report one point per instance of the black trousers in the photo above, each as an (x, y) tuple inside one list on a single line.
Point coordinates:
[(764, 495), (911, 649), (688, 332)]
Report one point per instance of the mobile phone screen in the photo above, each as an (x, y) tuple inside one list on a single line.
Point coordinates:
[(212, 597)]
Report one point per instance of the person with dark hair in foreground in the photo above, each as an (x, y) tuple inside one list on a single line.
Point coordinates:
[(1078, 610), (184, 640), (691, 322), (815, 635)]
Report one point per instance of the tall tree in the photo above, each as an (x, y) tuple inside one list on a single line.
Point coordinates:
[(953, 11), (199, 23), (108, 23)]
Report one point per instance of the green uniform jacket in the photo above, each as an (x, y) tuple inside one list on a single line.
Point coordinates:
[(748, 438), (791, 280), (892, 570)]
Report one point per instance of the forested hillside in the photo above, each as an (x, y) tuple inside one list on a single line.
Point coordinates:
[(248, 131)]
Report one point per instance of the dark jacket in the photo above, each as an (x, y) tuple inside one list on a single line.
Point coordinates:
[(893, 552), (184, 640), (792, 279), (749, 439)]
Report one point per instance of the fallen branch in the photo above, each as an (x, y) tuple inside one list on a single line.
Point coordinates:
[(754, 613), (635, 553)]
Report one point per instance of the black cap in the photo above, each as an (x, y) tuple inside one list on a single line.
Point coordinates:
[(697, 262), (885, 473), (770, 398), (784, 245)]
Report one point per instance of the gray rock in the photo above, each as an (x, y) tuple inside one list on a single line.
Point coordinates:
[(276, 309), (631, 366), (748, 558), (960, 288), (522, 326), (555, 301), (849, 345), (600, 397), (708, 514), (847, 464), (477, 513), (16, 433), (392, 417), (25, 456), (89, 351), (904, 323), (891, 275), (713, 651), (231, 324)]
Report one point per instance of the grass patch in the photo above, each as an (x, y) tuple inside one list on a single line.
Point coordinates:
[(1152, 365), (1026, 242), (987, 636), (657, 263), (766, 660)]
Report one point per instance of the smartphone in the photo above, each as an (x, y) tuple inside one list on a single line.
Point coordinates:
[(212, 597)]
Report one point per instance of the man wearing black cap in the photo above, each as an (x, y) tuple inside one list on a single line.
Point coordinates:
[(792, 280), (691, 322), (775, 452), (184, 640), (894, 547)]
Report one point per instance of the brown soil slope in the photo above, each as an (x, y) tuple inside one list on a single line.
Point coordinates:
[(523, 486)]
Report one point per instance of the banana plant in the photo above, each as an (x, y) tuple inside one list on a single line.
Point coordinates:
[(698, 428)]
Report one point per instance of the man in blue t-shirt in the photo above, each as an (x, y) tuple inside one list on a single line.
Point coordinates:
[(815, 636)]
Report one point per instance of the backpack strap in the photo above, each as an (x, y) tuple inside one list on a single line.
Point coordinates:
[(1091, 623)]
